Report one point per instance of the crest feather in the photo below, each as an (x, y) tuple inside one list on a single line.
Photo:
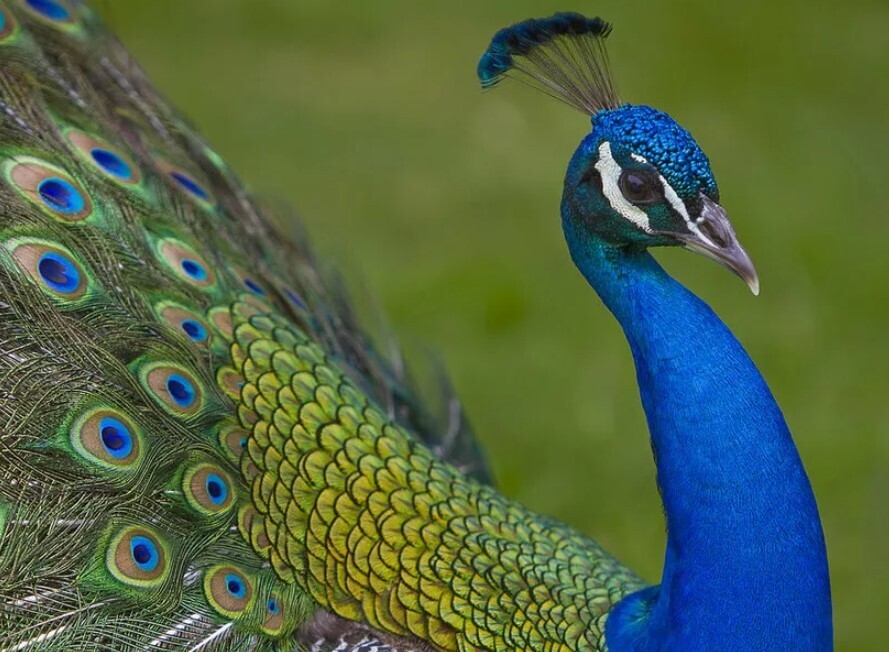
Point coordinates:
[(563, 55)]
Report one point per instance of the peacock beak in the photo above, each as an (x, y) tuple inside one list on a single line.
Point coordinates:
[(713, 236)]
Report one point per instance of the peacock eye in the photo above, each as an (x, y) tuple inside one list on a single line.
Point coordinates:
[(640, 187)]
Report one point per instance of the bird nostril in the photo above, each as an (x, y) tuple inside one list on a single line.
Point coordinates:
[(715, 233)]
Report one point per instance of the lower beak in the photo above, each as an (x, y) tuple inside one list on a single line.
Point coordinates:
[(713, 236)]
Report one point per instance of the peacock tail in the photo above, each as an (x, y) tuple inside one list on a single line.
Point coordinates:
[(200, 449)]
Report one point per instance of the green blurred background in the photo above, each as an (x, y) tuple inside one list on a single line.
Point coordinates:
[(444, 200)]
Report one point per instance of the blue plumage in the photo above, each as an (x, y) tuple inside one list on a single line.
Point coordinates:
[(655, 136), (745, 566)]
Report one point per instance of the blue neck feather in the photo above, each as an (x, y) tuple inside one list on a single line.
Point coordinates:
[(745, 565)]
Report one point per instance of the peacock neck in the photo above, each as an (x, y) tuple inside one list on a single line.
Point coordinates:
[(745, 565)]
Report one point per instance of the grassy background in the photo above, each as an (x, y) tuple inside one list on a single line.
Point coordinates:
[(367, 117)]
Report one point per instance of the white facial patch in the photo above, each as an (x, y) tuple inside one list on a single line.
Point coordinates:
[(609, 171)]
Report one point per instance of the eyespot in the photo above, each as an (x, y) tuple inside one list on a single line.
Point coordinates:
[(274, 616), (138, 556), (111, 163), (53, 10), (190, 185), (252, 526), (52, 190), (54, 269), (108, 160), (640, 187), (189, 323), (7, 23), (186, 263), (246, 517), (208, 489), (250, 283), (107, 437), (222, 319), (174, 388), (228, 590), (186, 182), (233, 440), (253, 286), (230, 381)]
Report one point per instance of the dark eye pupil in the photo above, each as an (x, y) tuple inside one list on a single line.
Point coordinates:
[(637, 187), (635, 184)]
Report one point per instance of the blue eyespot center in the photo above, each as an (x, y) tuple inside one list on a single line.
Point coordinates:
[(273, 607), (111, 163), (50, 9), (194, 269), (235, 586), (190, 184), (180, 390), (253, 286), (58, 272), (60, 195), (116, 437), (145, 554), (243, 443), (217, 489), (194, 330)]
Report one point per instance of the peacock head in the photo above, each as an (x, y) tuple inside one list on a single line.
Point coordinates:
[(638, 179)]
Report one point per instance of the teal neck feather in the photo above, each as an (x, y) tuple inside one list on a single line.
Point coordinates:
[(745, 565)]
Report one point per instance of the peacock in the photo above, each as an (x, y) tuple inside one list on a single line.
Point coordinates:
[(201, 448)]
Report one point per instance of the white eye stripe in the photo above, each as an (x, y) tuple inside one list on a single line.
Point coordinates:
[(673, 197), (609, 171), (679, 206)]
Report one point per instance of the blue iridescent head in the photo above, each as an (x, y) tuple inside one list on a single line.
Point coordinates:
[(637, 179)]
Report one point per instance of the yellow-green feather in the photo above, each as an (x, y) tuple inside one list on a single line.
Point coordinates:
[(377, 528)]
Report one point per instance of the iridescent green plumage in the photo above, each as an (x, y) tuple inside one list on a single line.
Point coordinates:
[(198, 447), (376, 528)]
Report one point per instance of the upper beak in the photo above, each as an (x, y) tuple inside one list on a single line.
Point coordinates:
[(713, 236)]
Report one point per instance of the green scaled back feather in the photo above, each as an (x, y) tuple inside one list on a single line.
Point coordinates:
[(199, 447)]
